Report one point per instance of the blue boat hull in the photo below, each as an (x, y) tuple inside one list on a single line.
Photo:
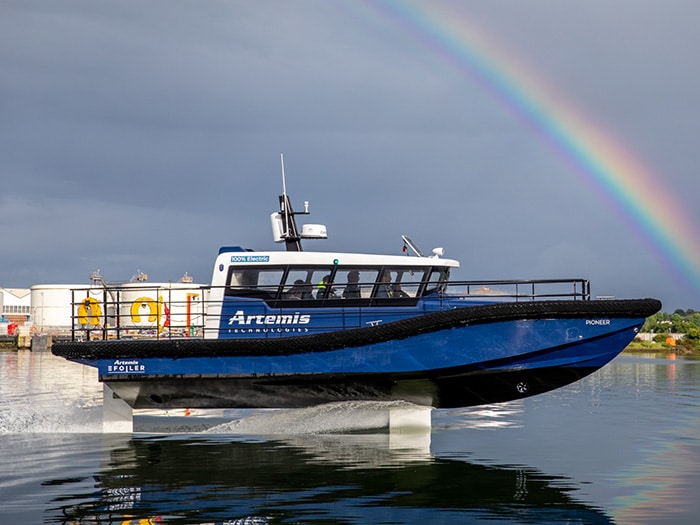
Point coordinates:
[(460, 386), (456, 389), (471, 358)]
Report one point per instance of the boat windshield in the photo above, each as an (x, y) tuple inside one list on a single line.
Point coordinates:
[(335, 282)]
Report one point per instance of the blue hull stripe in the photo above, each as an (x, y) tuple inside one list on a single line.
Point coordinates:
[(557, 343)]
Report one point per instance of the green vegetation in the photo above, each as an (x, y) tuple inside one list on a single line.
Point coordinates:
[(664, 326)]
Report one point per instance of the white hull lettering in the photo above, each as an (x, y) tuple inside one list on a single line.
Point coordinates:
[(597, 322), (241, 319), (126, 367), (286, 330)]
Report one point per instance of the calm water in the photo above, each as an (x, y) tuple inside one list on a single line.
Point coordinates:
[(622, 446)]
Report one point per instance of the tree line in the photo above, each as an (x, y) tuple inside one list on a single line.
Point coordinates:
[(686, 322)]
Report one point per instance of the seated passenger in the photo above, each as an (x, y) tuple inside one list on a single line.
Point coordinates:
[(325, 289), (306, 291), (384, 288), (396, 291), (296, 291), (352, 289)]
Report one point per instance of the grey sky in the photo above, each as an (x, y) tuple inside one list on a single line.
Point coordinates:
[(144, 135)]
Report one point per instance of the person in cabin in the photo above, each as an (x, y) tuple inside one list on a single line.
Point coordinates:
[(307, 291), (325, 289), (296, 291), (352, 289), (384, 288), (396, 291)]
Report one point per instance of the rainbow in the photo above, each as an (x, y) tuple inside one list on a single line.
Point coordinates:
[(599, 159)]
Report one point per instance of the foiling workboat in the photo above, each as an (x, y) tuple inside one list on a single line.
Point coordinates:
[(294, 328)]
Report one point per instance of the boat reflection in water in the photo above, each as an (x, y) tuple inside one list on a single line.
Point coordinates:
[(356, 478)]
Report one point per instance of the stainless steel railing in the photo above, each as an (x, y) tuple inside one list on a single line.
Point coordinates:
[(144, 311)]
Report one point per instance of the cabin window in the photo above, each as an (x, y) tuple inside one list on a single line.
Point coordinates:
[(437, 280), (242, 278), (269, 281), (407, 282), (399, 282), (354, 283), (334, 282), (306, 283), (254, 282)]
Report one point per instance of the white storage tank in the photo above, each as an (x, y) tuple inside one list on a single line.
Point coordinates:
[(177, 308), (52, 312)]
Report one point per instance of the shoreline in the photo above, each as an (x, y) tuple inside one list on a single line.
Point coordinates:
[(659, 348)]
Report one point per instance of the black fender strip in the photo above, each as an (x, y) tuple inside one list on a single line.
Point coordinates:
[(327, 341)]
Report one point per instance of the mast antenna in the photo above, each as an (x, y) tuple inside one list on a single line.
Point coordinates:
[(284, 180), (284, 226), (285, 202)]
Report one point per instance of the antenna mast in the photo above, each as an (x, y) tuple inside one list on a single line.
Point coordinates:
[(284, 203), (284, 180), (284, 225), (291, 235)]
